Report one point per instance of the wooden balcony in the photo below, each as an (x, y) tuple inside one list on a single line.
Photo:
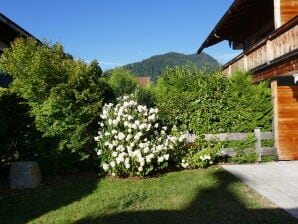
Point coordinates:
[(274, 55)]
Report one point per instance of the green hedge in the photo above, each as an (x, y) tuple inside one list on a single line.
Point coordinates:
[(211, 103)]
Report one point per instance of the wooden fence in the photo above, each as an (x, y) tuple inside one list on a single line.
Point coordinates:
[(260, 136)]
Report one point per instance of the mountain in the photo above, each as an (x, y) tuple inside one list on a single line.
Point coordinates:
[(155, 65)]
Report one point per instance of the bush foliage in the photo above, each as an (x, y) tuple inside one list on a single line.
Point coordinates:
[(211, 103), (122, 81), (18, 135), (64, 95)]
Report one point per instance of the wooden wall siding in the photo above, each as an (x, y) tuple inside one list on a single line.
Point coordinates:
[(287, 122), (282, 41), (238, 65), (284, 67), (285, 43), (258, 57), (288, 10)]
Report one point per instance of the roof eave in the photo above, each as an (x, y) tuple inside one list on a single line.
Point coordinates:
[(207, 43), (16, 27)]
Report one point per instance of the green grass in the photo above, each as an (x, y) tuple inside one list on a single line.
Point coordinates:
[(198, 196)]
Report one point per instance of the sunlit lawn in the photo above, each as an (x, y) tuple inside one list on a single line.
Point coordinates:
[(198, 196)]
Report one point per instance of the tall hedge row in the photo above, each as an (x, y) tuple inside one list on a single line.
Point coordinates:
[(211, 103)]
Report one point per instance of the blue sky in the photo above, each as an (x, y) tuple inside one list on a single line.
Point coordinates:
[(117, 32)]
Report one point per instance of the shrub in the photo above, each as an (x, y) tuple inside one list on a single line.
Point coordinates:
[(64, 95), (211, 103), (70, 113), (190, 99), (131, 142), (122, 82), (18, 136), (145, 96), (202, 153), (250, 104), (35, 68)]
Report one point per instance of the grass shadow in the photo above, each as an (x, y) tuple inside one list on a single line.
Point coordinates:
[(212, 205), (21, 206)]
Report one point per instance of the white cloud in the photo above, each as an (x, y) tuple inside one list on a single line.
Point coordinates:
[(107, 63)]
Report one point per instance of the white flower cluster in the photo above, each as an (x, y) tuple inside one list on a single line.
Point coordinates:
[(184, 164), (206, 158), (131, 141)]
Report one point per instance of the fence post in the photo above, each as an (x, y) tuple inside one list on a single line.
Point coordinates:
[(258, 143)]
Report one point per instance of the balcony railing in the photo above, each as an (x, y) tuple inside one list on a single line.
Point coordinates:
[(279, 43)]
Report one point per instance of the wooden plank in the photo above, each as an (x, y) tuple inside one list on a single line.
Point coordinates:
[(287, 154), (286, 92), (286, 120), (288, 143), (293, 111), (284, 102), (227, 136), (288, 125), (265, 151), (287, 87), (288, 137), (267, 135), (274, 92), (268, 151), (288, 111), (290, 108), (288, 114), (288, 148), (287, 151), (228, 152), (287, 157), (288, 10)]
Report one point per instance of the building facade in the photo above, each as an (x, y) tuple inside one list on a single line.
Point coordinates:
[(267, 32)]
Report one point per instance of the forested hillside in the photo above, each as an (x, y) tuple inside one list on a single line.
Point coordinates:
[(154, 65)]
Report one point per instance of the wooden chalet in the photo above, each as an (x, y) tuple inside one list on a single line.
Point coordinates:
[(267, 32), (144, 81)]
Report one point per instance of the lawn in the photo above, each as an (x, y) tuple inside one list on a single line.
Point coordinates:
[(195, 196)]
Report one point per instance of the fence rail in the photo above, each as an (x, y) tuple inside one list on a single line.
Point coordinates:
[(260, 136)]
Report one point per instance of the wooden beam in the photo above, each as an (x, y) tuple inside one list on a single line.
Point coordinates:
[(277, 17), (289, 67), (275, 113)]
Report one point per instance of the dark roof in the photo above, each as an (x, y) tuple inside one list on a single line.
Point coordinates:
[(233, 24), (14, 26), (10, 30), (5, 80)]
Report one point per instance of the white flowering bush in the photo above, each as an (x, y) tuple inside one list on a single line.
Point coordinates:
[(131, 142)]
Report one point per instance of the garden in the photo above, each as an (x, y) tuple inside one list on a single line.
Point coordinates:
[(76, 121)]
